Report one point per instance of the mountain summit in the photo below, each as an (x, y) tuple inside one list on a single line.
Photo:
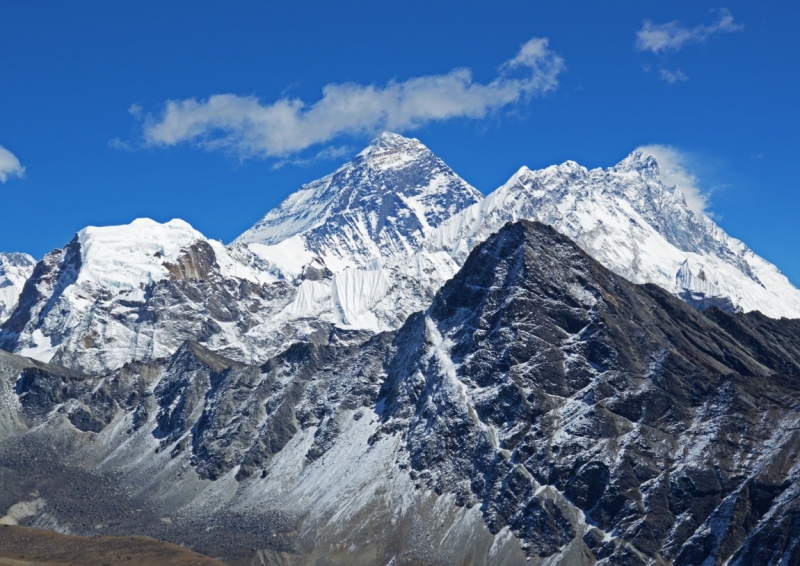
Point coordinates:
[(383, 203), (635, 224)]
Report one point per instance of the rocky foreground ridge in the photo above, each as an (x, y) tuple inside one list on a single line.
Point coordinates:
[(541, 410)]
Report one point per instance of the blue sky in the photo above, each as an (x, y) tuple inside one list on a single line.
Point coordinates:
[(84, 103)]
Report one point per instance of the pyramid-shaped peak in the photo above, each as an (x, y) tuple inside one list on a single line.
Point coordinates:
[(394, 192), (390, 150), (569, 167), (389, 140), (639, 161)]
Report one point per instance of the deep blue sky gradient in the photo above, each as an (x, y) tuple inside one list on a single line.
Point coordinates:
[(69, 71)]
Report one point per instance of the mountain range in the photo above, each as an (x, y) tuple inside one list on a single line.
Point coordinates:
[(389, 368), (360, 250)]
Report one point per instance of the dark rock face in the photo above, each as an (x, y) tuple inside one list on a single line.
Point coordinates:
[(592, 418), (197, 262), (537, 367), (89, 403), (306, 386)]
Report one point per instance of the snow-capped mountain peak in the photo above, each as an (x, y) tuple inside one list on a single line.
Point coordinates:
[(381, 204), (100, 285), (391, 151), (132, 255), (628, 218), (641, 163)]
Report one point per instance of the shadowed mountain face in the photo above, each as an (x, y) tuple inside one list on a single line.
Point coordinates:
[(598, 409), (542, 409)]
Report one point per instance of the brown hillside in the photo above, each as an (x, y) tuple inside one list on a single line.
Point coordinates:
[(23, 546)]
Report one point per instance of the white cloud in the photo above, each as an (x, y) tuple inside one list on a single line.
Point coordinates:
[(673, 35), (674, 171), (9, 165), (672, 77), (247, 127)]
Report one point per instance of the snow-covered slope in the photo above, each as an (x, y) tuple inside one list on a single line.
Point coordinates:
[(380, 205), (130, 257), (360, 230), (376, 299), (15, 268), (136, 291), (634, 224)]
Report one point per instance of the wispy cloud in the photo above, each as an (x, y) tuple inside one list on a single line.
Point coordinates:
[(247, 127), (672, 77), (117, 143), (674, 167), (326, 154), (673, 35), (9, 165)]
